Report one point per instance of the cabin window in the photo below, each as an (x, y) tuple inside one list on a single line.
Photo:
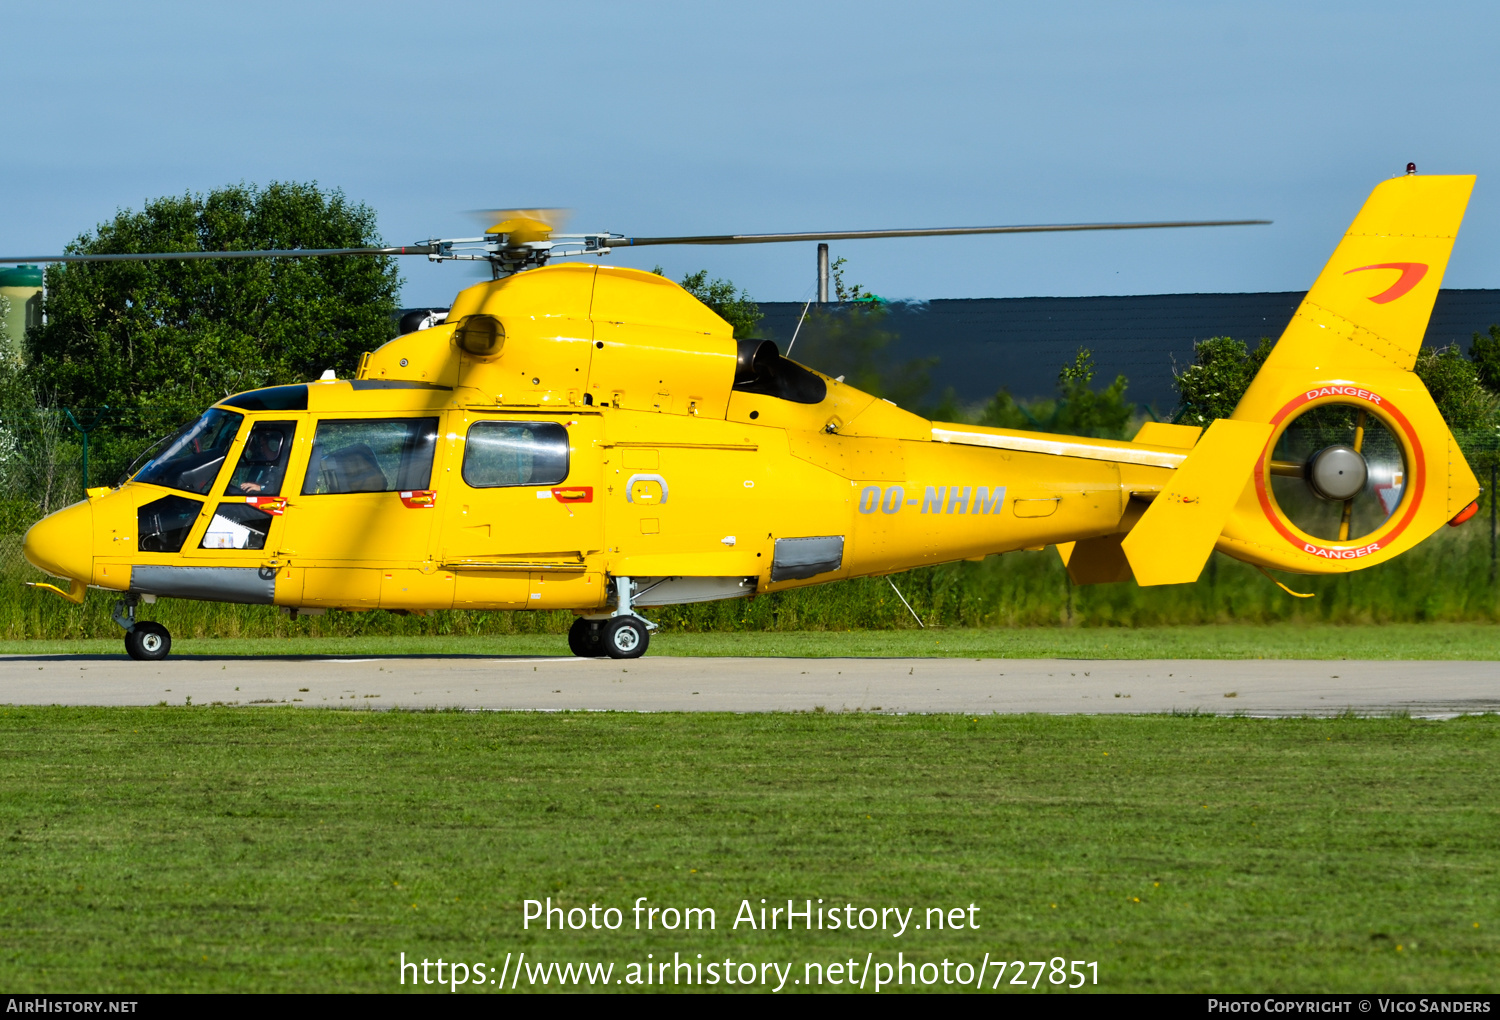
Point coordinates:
[(192, 458), (501, 453), (163, 524), (237, 526), (371, 455), (262, 465)]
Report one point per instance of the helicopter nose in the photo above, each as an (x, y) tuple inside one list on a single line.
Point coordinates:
[(62, 543)]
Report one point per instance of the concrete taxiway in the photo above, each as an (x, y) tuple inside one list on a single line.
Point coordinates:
[(664, 684)]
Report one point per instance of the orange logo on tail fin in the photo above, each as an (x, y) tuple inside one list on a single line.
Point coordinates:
[(1411, 275)]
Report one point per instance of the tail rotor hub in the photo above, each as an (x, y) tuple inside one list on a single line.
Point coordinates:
[(1337, 473)]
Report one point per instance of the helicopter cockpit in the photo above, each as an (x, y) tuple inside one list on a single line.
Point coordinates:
[(262, 466)]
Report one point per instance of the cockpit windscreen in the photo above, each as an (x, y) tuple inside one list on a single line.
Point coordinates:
[(191, 460)]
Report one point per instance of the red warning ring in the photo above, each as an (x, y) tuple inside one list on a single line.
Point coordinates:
[(1419, 473)]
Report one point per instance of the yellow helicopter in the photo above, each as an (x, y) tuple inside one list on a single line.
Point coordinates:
[(593, 438)]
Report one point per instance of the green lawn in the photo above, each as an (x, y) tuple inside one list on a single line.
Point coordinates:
[(273, 850), (1223, 641)]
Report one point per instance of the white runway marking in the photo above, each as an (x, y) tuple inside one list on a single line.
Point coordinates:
[(659, 683)]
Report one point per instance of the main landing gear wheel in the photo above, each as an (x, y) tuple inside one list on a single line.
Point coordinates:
[(586, 638), (625, 637), (148, 642)]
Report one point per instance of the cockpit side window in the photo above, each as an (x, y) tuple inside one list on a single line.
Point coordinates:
[(368, 455), (262, 466), (237, 526), (191, 459), (163, 524)]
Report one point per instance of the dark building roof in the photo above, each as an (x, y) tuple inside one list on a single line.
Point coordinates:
[(983, 344)]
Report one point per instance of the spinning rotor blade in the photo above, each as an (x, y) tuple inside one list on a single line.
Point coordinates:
[(531, 238), (1359, 442), (855, 235), (1338, 472), (522, 225), (272, 253)]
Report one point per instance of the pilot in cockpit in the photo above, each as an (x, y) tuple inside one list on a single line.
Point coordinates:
[(261, 467)]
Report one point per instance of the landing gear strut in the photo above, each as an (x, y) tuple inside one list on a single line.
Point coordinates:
[(145, 640)]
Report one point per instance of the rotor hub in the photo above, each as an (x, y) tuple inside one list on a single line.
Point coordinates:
[(1337, 473)]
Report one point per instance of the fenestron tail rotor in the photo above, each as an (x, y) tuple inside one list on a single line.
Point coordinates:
[(1338, 472), (520, 239)]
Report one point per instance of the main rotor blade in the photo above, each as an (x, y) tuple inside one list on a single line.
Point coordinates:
[(855, 235), (273, 253)]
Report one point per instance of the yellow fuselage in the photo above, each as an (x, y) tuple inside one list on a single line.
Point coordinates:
[(646, 495), (671, 473)]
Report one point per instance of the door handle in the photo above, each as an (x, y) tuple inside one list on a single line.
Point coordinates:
[(273, 505)]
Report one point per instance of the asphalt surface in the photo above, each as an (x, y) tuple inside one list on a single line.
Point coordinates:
[(663, 684)]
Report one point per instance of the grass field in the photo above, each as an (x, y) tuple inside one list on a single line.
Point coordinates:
[(273, 850), (1474, 641)]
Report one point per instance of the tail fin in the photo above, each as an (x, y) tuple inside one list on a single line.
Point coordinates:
[(1360, 465), (1370, 305)]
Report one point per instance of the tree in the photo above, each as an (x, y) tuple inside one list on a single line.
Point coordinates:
[(848, 339), (1212, 386), (1485, 353), (736, 309), (845, 294), (851, 339), (1454, 382), (1079, 409), (159, 341)]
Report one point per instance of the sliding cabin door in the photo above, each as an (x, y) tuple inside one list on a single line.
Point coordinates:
[(521, 509), (360, 524)]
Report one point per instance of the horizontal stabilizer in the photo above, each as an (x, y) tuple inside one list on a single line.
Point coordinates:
[(1174, 538), (1160, 433)]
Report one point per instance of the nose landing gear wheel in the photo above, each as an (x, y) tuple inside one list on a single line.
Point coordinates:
[(625, 637), (586, 638), (148, 642)]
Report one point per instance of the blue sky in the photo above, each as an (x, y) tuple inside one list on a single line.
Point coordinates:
[(677, 118)]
